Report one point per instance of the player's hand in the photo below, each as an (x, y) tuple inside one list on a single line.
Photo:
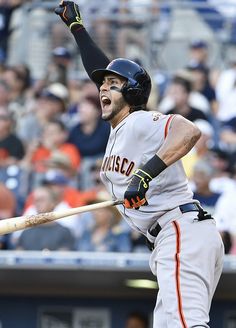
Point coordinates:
[(135, 194), (69, 13)]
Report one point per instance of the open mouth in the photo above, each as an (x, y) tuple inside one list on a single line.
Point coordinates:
[(105, 101)]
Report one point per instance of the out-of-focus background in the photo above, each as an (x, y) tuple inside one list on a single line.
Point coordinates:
[(92, 270)]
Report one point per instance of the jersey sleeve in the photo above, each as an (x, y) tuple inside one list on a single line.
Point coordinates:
[(92, 56), (153, 126), (149, 130)]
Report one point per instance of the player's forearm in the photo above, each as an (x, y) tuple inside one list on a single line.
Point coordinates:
[(92, 56), (181, 138)]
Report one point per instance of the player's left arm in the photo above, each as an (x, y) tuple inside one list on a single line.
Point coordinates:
[(180, 139)]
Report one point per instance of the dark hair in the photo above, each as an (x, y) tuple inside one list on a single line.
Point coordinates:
[(22, 73), (186, 84), (94, 100), (59, 123)]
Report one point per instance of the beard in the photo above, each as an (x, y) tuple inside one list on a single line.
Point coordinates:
[(117, 107)]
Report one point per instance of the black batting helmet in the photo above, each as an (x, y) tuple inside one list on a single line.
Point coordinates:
[(138, 86)]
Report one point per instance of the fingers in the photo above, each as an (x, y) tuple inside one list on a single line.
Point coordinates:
[(135, 203), (65, 3), (62, 8), (59, 10)]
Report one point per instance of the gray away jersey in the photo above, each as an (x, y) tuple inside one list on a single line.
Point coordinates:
[(131, 144)]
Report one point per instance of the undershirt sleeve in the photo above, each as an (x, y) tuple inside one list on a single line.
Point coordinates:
[(92, 56)]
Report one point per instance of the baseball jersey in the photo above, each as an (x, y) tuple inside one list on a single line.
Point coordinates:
[(131, 144)]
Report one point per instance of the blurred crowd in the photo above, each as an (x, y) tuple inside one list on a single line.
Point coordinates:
[(52, 141)]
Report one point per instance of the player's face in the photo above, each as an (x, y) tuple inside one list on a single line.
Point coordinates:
[(114, 107)]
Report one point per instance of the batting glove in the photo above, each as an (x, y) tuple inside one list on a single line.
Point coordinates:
[(69, 13), (135, 194)]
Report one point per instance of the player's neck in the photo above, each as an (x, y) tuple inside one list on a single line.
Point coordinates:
[(119, 118)]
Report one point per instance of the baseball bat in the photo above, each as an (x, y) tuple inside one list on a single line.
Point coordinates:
[(28, 221)]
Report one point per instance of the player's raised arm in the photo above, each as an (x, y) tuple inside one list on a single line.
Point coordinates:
[(92, 56)]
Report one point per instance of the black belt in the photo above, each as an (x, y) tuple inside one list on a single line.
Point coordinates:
[(189, 207)]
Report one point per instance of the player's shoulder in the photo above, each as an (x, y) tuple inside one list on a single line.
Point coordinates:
[(143, 123), (143, 117)]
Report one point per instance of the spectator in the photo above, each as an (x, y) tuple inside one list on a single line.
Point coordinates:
[(201, 148), (222, 181), (7, 210), (195, 100), (198, 53), (4, 94), (179, 92), (6, 9), (50, 236), (61, 60), (225, 214), (104, 235), (228, 135), (11, 147), (68, 196), (19, 82), (201, 84), (90, 136), (202, 175), (60, 162), (53, 139), (50, 104), (136, 320), (79, 88), (225, 93)]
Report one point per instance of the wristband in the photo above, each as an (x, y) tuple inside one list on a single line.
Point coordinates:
[(75, 27), (154, 166)]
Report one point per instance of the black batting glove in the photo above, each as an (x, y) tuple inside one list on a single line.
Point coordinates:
[(69, 13), (135, 194)]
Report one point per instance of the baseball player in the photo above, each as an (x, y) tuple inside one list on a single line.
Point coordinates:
[(142, 165)]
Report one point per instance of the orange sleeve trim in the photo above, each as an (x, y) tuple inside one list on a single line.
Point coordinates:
[(167, 125), (177, 274)]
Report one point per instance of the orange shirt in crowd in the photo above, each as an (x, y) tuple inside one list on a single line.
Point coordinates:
[(72, 196), (42, 154)]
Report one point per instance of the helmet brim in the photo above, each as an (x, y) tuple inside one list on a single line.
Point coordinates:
[(98, 75)]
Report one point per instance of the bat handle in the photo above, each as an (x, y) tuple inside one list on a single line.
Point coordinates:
[(118, 202)]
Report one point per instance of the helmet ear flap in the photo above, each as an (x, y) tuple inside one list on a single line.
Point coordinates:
[(130, 93)]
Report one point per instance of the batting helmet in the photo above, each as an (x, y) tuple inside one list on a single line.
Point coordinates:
[(138, 86)]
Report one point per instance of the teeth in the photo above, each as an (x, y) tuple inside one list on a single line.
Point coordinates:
[(104, 98)]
